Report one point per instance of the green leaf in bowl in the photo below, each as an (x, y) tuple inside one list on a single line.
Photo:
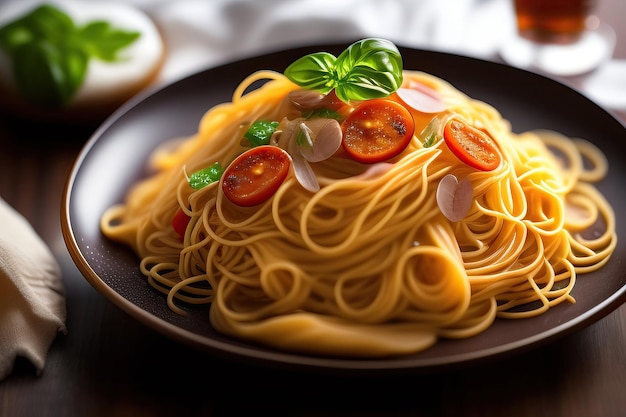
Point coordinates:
[(50, 53)]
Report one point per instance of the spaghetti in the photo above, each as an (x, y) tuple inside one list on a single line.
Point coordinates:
[(368, 265)]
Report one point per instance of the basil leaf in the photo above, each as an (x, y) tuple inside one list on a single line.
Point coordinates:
[(206, 176), (46, 75), (14, 35), (260, 132), (48, 22), (104, 41), (43, 23), (370, 68), (313, 72), (50, 54)]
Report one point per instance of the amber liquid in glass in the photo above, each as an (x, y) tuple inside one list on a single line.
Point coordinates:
[(552, 21)]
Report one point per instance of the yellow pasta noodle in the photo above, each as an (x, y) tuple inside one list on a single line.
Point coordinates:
[(368, 266)]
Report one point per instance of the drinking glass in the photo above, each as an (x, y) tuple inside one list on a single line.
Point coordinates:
[(558, 37)]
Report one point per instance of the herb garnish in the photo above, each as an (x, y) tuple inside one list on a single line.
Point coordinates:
[(206, 176), (260, 132), (50, 53), (369, 68)]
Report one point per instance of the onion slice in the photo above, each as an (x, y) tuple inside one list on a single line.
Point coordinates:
[(319, 139), (306, 99), (421, 98), (301, 168), (454, 198), (433, 130)]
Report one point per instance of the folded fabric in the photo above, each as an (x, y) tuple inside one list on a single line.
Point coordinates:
[(201, 33), (32, 297)]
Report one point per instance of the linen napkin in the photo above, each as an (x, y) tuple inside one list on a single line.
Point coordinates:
[(32, 296), (200, 33)]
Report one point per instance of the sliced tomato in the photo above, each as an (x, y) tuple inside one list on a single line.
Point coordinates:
[(471, 145), (255, 175), (377, 130), (180, 222)]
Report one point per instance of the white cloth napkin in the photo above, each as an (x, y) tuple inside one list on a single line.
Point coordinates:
[(32, 298), (200, 33)]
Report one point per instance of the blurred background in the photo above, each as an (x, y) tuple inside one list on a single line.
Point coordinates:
[(202, 33)]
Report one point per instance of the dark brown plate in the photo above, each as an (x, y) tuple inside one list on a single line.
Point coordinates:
[(116, 155)]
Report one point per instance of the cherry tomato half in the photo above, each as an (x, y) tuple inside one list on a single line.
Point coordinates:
[(471, 145), (377, 130), (180, 222), (255, 175)]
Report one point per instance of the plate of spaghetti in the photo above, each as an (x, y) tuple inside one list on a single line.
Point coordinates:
[(362, 207)]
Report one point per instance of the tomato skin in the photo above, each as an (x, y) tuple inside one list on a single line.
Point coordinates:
[(472, 146), (255, 175), (377, 130), (180, 220)]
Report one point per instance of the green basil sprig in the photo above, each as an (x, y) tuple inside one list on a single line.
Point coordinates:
[(206, 176), (260, 132), (50, 53), (369, 68)]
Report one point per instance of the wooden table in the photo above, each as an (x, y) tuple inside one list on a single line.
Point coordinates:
[(110, 365)]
